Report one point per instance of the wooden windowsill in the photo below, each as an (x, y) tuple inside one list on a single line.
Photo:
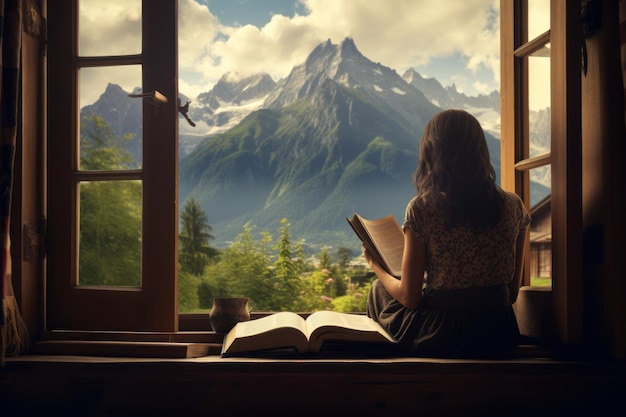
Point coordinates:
[(206, 385), (111, 348), (527, 359)]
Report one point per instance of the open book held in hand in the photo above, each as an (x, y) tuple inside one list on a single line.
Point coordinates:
[(383, 238), (287, 330)]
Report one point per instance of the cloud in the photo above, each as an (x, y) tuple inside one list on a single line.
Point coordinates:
[(403, 33), (109, 28), (197, 31), (481, 87), (396, 33)]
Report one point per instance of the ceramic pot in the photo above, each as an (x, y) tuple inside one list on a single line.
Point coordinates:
[(228, 311)]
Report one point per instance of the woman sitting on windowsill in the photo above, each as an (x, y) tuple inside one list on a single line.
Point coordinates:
[(467, 235)]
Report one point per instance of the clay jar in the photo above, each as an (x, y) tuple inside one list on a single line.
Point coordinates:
[(227, 311)]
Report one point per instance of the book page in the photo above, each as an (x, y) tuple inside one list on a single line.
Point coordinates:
[(264, 324), (279, 330), (332, 325), (386, 237), (333, 318)]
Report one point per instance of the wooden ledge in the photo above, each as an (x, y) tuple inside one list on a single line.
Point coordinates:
[(211, 385), (126, 349)]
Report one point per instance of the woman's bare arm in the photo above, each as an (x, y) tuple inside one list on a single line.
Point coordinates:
[(408, 289)]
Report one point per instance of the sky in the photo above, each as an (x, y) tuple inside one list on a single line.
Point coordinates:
[(454, 41)]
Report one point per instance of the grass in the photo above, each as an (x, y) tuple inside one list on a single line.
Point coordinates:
[(540, 281)]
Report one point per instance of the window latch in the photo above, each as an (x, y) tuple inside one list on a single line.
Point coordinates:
[(154, 97), (184, 110)]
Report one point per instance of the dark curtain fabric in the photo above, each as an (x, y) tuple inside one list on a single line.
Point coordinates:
[(10, 43), (622, 41)]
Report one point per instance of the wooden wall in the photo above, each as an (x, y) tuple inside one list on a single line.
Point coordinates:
[(28, 202), (604, 192)]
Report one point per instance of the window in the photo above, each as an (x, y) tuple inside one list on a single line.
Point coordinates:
[(86, 171), (522, 45), (148, 300)]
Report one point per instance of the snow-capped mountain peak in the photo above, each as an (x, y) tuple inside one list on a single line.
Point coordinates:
[(344, 65), (225, 105)]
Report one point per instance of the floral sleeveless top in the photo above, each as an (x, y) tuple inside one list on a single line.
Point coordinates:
[(460, 257)]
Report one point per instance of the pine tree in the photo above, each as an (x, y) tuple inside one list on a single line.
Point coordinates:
[(287, 279), (344, 255), (194, 251), (324, 258)]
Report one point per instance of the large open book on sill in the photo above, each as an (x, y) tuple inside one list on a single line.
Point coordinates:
[(287, 330), (383, 238)]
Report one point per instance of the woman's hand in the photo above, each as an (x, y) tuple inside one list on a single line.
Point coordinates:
[(408, 289), (368, 256)]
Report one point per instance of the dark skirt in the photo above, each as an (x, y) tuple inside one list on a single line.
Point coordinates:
[(472, 322)]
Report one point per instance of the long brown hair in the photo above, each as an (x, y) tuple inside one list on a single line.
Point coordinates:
[(454, 171)]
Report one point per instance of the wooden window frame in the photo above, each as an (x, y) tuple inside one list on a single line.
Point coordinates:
[(153, 306), (565, 157)]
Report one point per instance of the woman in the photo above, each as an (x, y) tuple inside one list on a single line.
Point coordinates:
[(463, 250)]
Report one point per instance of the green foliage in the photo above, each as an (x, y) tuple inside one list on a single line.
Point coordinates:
[(540, 281), (101, 149), (110, 211), (205, 294), (194, 250), (315, 292), (188, 294), (243, 270), (353, 302), (286, 279), (277, 278), (324, 258), (343, 257), (110, 233)]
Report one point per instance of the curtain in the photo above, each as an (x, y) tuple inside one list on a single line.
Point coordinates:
[(622, 41), (13, 335)]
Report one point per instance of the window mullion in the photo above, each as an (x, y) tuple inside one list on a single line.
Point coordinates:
[(160, 169)]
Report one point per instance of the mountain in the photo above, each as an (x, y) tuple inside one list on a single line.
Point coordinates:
[(539, 131), (223, 107), (122, 114), (485, 107), (339, 134), (346, 66)]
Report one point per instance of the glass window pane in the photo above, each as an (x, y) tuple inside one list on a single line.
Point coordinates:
[(539, 102), (540, 227), (538, 17), (110, 233), (111, 27), (110, 121), (539, 135)]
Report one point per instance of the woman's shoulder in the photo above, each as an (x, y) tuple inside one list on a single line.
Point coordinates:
[(510, 197), (515, 204), (419, 208), (424, 212)]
